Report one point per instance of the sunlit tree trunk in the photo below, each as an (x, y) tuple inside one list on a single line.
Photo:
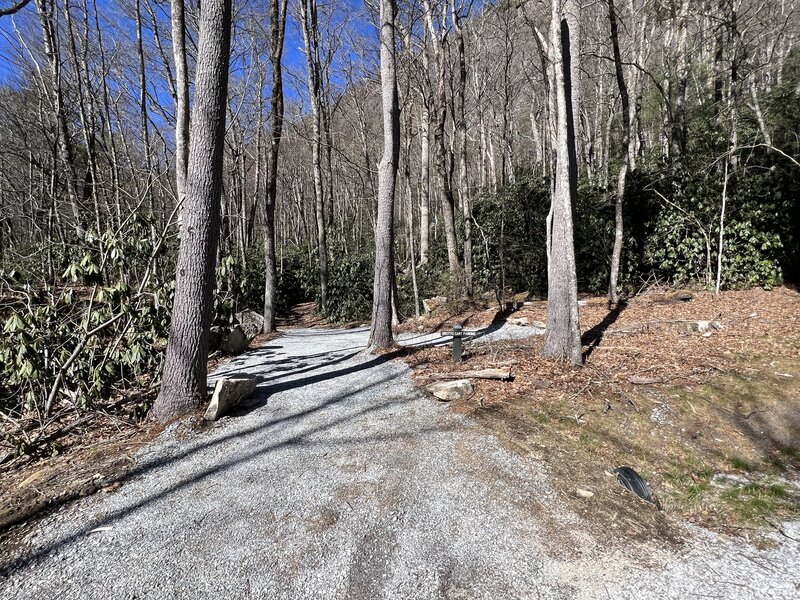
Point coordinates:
[(178, 20), (183, 386), (562, 336), (381, 332)]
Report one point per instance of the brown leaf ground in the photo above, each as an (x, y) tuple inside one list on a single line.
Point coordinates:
[(725, 403)]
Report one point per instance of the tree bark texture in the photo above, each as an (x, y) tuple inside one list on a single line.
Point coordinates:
[(277, 35), (183, 386), (562, 337), (381, 331)]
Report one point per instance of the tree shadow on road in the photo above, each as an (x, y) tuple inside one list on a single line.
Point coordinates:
[(269, 431)]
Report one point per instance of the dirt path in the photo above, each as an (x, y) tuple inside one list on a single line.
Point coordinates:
[(342, 481)]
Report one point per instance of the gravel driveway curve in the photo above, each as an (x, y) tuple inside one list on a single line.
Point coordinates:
[(341, 480)]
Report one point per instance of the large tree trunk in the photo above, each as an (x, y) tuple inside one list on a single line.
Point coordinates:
[(184, 382), (381, 332), (562, 337), (278, 24)]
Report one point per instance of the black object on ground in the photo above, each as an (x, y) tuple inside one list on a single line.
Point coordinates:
[(633, 482)]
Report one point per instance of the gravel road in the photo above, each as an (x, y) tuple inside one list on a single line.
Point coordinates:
[(341, 480)]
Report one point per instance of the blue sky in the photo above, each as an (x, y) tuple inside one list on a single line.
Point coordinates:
[(350, 16)]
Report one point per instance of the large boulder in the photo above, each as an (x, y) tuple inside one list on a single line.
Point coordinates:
[(229, 393), (234, 340), (450, 390), (252, 323)]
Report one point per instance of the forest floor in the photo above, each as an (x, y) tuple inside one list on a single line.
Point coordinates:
[(340, 479), (710, 419)]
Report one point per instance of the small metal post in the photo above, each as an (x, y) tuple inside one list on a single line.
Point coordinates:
[(457, 333)]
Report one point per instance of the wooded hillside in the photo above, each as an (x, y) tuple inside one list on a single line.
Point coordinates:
[(662, 136)]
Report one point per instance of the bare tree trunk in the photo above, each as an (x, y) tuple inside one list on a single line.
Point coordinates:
[(616, 255), (444, 158), (762, 126), (278, 33), (115, 175), (682, 78), (46, 9), (721, 238), (424, 185), (461, 131), (149, 184), (310, 38), (380, 337), (562, 337), (181, 96), (183, 385)]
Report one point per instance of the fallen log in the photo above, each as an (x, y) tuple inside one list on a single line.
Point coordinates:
[(500, 374)]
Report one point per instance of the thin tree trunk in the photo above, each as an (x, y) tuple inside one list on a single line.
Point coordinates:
[(424, 185), (149, 184), (183, 385), (762, 126), (310, 38), (443, 157), (461, 131), (722, 228), (682, 79), (616, 255), (46, 9), (178, 20), (278, 25)]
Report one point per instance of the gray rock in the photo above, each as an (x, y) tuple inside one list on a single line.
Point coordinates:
[(729, 480), (450, 390), (234, 340), (229, 393), (519, 321), (252, 323)]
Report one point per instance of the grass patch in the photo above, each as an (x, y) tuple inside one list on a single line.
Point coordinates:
[(756, 500), (741, 464), (695, 492)]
